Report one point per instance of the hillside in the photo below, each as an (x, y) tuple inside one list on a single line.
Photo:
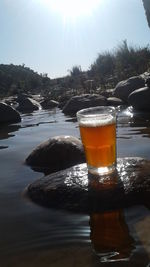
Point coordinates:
[(18, 78)]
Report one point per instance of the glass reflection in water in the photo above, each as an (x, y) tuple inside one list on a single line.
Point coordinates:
[(110, 237)]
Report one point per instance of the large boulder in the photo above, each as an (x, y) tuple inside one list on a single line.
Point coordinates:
[(124, 88), (75, 190), (57, 153), (48, 104), (84, 101), (140, 99), (8, 114), (27, 104)]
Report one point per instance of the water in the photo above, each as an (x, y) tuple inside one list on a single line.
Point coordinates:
[(34, 236)]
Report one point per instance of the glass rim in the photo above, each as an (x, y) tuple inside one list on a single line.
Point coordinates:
[(88, 111)]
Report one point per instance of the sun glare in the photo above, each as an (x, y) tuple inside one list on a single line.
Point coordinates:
[(72, 8)]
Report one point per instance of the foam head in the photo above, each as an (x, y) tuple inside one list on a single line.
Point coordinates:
[(96, 120)]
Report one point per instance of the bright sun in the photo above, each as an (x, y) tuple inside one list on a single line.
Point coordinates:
[(72, 8)]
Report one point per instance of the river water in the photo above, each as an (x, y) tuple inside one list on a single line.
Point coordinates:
[(31, 235)]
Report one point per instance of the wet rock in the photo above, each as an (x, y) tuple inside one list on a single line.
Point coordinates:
[(57, 153), (114, 101), (84, 101), (48, 104), (124, 88), (74, 190), (140, 99), (8, 114)]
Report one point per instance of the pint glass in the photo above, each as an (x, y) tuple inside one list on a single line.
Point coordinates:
[(98, 134)]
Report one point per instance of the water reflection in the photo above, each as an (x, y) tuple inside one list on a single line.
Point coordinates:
[(110, 237), (141, 123), (38, 117), (132, 123)]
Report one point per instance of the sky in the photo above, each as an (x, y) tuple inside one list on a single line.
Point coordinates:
[(52, 36)]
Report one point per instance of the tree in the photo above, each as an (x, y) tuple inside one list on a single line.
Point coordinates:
[(75, 71)]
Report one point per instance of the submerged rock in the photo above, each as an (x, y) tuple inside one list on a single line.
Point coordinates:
[(124, 88), (8, 114), (74, 190), (56, 154), (83, 101)]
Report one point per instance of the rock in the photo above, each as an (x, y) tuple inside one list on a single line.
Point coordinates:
[(8, 130), (64, 99), (38, 98), (27, 104), (47, 103), (11, 101), (126, 87), (140, 99), (147, 82), (107, 93), (84, 101), (62, 104), (114, 101), (74, 190), (8, 114), (56, 154), (145, 75)]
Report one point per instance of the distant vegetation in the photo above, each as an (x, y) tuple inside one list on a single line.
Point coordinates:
[(120, 64), (16, 79), (108, 69)]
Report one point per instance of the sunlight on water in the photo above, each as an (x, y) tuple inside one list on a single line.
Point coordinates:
[(129, 112)]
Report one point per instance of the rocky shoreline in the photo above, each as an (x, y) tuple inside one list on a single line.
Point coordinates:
[(134, 92)]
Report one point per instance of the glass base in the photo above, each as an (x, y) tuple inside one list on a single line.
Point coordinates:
[(113, 256), (102, 170)]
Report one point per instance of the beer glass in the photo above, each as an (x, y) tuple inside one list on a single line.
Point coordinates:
[(98, 134)]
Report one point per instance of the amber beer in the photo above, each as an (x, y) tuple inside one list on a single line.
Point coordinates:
[(98, 134)]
